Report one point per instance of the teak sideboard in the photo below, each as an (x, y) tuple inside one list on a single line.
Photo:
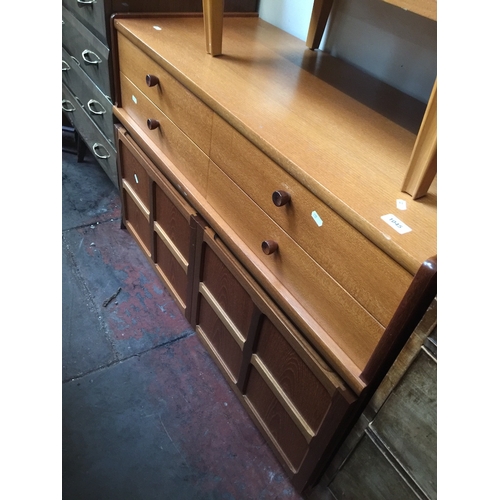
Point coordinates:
[(264, 187)]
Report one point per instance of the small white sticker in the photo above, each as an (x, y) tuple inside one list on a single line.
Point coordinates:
[(134, 99), (136, 179), (317, 218), (157, 28), (396, 224), (401, 204)]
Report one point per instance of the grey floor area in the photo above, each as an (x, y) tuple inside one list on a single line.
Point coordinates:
[(146, 414)]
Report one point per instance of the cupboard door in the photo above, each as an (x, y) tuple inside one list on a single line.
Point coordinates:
[(158, 218), (293, 396), (172, 238)]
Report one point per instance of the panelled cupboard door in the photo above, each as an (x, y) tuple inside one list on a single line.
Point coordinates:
[(157, 217), (292, 395)]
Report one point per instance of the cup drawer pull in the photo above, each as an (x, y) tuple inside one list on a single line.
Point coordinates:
[(83, 3), (98, 146), (65, 66), (91, 57), (67, 106), (92, 104)]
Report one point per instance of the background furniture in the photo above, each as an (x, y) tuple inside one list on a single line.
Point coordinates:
[(87, 86)]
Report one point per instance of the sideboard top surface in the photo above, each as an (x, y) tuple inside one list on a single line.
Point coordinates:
[(344, 135)]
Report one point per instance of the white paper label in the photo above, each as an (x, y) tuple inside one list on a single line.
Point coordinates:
[(396, 224), (317, 218), (401, 204), (134, 99)]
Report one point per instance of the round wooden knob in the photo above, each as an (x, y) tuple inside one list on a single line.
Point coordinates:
[(281, 198), (152, 124), (152, 80), (269, 247)]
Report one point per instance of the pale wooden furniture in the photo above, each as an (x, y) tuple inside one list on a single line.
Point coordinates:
[(213, 12), (87, 85), (263, 186), (423, 162)]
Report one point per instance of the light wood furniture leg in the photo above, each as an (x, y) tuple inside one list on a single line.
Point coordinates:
[(213, 12), (320, 12), (423, 162)]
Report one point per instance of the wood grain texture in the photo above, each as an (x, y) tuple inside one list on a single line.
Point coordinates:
[(190, 114), (351, 152), (293, 376), (363, 269), (176, 145), (342, 318)]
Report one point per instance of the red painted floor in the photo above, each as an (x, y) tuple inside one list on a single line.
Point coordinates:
[(146, 413)]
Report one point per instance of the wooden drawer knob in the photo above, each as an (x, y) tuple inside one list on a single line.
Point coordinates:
[(269, 247), (152, 124), (281, 198), (152, 80)]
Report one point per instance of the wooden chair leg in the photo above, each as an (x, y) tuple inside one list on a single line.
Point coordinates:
[(213, 13), (320, 12), (423, 162)]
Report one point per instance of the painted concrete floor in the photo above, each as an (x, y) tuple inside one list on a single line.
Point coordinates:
[(146, 413)]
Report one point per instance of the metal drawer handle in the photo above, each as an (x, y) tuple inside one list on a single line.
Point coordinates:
[(96, 59), (65, 66), (68, 109), (96, 146), (76, 60), (85, 2), (92, 103)]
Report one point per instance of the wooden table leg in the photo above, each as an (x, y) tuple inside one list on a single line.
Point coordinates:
[(423, 162), (213, 13), (320, 12)]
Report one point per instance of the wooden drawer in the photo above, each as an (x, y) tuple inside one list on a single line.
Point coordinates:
[(97, 105), (90, 52), (175, 144), (351, 327), (290, 392), (96, 141), (158, 217), (376, 281), (190, 114)]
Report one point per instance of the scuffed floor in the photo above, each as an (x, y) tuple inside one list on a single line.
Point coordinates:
[(146, 413)]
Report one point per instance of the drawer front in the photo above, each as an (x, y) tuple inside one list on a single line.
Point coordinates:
[(96, 141), (366, 272), (98, 106), (345, 321), (91, 13), (183, 108), (186, 156), (90, 52)]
